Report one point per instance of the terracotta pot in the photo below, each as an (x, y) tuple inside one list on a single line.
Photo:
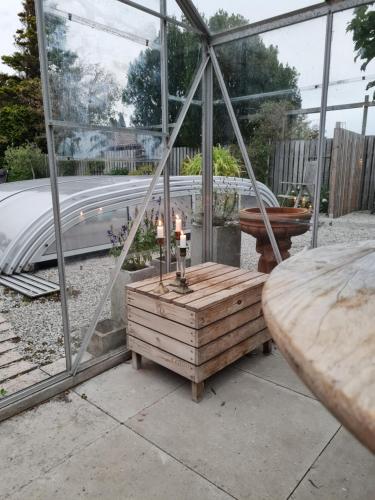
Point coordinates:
[(286, 222)]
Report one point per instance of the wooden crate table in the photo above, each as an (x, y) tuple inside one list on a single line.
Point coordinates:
[(199, 333)]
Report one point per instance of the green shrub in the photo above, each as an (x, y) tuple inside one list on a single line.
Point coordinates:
[(146, 169), (119, 171), (224, 163), (68, 167), (25, 162), (95, 167)]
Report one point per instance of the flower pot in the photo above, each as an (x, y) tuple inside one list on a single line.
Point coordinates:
[(226, 244), (118, 295)]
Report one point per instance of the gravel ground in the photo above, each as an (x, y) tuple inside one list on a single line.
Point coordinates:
[(38, 322)]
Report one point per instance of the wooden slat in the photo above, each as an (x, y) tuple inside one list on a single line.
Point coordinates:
[(164, 342), (203, 284), (219, 362), (10, 357), (171, 275), (224, 294), (162, 325), (235, 303), (163, 358), (214, 288), (163, 309), (198, 276), (227, 341), (15, 369), (227, 324)]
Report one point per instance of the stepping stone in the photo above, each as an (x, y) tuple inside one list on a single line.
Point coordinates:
[(9, 357), (8, 336), (6, 346), (15, 369), (5, 326), (23, 381)]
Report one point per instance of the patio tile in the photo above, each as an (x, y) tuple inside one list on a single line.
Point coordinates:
[(121, 465), (36, 440), (122, 392), (251, 438), (345, 470), (273, 368)]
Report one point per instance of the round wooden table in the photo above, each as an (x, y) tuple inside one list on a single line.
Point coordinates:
[(320, 309)]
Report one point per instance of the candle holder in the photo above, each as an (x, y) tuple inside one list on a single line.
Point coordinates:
[(177, 281), (160, 289), (183, 286)]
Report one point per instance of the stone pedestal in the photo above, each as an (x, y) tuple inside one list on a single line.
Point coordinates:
[(109, 335)]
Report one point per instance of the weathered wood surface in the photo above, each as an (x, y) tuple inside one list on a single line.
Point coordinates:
[(320, 309), (198, 334)]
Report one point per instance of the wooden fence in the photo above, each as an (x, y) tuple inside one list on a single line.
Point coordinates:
[(348, 169)]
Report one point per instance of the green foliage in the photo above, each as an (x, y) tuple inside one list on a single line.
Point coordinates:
[(362, 27), (68, 167), (143, 246), (146, 169), (3, 392), (119, 171), (96, 167), (224, 163), (25, 162), (324, 199), (249, 67), (271, 124)]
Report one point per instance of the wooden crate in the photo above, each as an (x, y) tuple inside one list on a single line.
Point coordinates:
[(198, 334)]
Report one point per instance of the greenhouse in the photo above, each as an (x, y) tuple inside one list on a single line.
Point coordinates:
[(187, 252)]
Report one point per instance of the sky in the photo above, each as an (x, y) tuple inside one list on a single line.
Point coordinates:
[(301, 46)]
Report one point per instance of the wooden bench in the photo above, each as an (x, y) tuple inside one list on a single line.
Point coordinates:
[(200, 333)]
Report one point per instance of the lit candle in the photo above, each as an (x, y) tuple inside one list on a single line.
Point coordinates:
[(178, 224), (182, 240), (160, 230)]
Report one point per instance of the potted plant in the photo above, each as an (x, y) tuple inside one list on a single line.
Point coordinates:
[(226, 228), (137, 265)]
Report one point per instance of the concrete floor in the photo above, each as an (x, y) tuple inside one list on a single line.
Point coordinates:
[(257, 434)]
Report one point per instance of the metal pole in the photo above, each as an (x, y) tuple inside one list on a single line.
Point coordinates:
[(207, 168), (53, 177), (365, 113), (322, 127), (138, 219), (165, 130), (245, 155)]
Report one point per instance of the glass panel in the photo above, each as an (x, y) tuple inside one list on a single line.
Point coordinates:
[(31, 333), (350, 189), (273, 81), (220, 16), (97, 53)]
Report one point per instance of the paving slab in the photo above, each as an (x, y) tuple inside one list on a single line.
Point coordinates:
[(250, 437), (121, 465), (39, 439), (273, 368), (55, 367), (344, 471), (123, 391), (22, 381)]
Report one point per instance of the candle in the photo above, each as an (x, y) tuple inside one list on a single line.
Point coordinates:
[(178, 224), (160, 230), (182, 240)]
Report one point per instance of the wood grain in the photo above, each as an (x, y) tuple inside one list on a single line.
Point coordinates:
[(320, 308)]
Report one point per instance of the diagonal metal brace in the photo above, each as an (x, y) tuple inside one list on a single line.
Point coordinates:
[(244, 153), (138, 219)]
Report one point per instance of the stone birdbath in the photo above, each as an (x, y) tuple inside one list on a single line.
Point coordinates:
[(286, 222)]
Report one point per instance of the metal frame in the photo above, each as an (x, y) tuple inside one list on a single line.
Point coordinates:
[(207, 163), (39, 392)]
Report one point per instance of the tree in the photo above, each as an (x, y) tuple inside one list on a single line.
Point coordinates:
[(362, 27), (248, 65), (21, 112)]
